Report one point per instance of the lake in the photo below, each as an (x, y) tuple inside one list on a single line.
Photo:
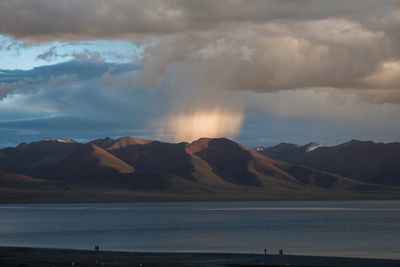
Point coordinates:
[(334, 228)]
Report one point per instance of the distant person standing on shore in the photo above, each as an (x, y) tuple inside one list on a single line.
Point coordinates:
[(265, 251)]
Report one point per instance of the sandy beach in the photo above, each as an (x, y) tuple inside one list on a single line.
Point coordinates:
[(35, 257)]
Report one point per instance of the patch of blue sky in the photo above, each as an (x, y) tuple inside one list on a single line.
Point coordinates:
[(16, 54)]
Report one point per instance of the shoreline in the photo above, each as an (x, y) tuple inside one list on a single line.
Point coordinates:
[(35, 257), (196, 201)]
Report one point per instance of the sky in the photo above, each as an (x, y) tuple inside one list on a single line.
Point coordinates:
[(259, 72)]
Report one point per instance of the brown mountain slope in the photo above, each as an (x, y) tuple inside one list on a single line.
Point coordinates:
[(239, 165), (230, 161), (156, 157), (88, 162), (30, 158), (212, 162), (226, 158), (365, 161)]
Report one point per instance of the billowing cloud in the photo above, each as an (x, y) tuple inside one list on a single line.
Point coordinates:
[(255, 45), (102, 18), (329, 52), (244, 60), (387, 76)]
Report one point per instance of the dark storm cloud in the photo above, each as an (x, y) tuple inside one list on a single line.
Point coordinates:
[(75, 100), (75, 70), (104, 18), (254, 45), (82, 69)]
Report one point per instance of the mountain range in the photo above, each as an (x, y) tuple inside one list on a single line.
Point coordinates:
[(132, 169)]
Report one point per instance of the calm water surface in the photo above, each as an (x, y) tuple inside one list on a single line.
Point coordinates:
[(340, 228)]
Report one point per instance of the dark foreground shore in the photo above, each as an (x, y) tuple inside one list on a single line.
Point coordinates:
[(35, 257)]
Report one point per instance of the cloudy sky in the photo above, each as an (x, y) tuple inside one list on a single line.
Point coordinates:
[(260, 72)]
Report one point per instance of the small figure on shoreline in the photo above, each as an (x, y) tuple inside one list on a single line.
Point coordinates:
[(280, 251), (265, 251)]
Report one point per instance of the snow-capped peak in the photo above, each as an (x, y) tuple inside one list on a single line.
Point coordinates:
[(311, 146), (58, 140)]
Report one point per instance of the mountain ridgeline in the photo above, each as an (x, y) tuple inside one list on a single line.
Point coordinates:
[(132, 169)]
